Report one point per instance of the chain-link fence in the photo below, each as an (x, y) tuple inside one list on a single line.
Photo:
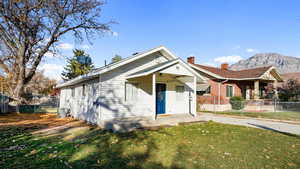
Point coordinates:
[(287, 106), (274, 109), (4, 104), (38, 105), (43, 105)]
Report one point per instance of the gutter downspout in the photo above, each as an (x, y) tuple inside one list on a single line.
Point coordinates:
[(219, 95)]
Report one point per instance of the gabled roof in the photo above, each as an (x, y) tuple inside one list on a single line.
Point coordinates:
[(132, 58), (161, 49), (247, 74), (154, 68), (164, 65)]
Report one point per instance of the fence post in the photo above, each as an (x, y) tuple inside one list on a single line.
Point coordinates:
[(275, 105), (214, 104), (57, 103)]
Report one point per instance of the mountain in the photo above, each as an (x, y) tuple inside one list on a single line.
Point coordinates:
[(285, 64)]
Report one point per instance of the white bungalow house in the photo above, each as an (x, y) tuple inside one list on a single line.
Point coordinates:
[(144, 85)]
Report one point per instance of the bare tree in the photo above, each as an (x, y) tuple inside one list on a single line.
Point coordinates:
[(40, 84), (31, 28)]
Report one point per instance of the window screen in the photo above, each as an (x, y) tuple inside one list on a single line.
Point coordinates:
[(131, 91)]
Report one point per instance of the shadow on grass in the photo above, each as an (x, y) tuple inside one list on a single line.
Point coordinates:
[(75, 146)]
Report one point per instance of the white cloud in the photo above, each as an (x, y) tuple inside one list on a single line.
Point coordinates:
[(65, 46), (228, 59), (50, 54), (210, 64), (250, 50), (85, 46), (52, 71), (115, 34)]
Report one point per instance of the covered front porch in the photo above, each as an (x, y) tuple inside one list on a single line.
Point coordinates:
[(258, 89), (170, 88)]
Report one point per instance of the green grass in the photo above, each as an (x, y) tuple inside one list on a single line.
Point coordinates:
[(294, 116), (203, 145)]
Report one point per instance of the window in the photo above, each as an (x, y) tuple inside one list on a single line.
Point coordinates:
[(73, 92), (94, 88), (83, 90), (179, 93), (229, 91), (131, 91)]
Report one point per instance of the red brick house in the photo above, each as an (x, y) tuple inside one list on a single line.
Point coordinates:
[(223, 83)]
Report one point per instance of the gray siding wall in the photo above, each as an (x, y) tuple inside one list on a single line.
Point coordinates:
[(105, 96), (112, 88), (82, 107)]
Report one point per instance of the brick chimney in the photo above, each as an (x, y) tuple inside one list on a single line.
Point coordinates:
[(191, 59), (224, 66)]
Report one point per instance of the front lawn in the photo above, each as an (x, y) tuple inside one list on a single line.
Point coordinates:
[(33, 143), (294, 116)]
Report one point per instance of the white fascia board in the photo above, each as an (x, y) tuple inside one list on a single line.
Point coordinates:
[(138, 56), (168, 65), (116, 65), (269, 70), (192, 71), (75, 81)]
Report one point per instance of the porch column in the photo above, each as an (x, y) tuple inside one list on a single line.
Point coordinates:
[(154, 95), (248, 93), (256, 89), (275, 87), (195, 97)]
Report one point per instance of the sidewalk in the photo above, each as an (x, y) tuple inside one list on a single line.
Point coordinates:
[(129, 124), (252, 122)]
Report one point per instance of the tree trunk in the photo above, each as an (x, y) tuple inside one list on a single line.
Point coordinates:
[(18, 95)]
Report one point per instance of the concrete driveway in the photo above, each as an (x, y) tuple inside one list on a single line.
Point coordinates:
[(252, 122)]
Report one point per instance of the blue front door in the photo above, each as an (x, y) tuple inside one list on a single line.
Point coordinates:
[(160, 98)]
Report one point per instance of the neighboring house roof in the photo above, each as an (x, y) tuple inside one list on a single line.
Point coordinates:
[(247, 74), (288, 76), (161, 49)]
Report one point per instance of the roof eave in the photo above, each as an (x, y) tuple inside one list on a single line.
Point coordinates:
[(117, 64), (206, 72)]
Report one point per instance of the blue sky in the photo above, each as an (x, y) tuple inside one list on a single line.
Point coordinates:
[(213, 31)]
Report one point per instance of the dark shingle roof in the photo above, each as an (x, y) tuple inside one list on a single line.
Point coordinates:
[(241, 74)]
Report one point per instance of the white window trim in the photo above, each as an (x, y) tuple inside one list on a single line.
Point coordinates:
[(182, 93), (125, 92), (233, 94)]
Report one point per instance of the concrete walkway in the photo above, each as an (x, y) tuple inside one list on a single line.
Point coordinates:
[(252, 122), (129, 124)]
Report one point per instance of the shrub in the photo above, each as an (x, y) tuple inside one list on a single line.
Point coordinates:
[(237, 102)]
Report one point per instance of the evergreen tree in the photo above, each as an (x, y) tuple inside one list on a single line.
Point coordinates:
[(116, 58), (79, 64)]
